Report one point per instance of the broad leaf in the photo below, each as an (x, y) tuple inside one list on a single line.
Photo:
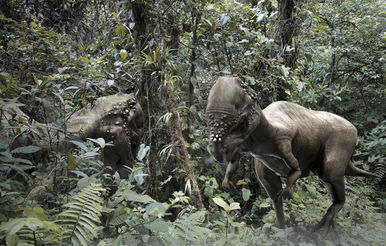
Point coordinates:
[(100, 141), (234, 206), (26, 149), (142, 152), (220, 202), (246, 194), (130, 195), (79, 144), (36, 212), (158, 226)]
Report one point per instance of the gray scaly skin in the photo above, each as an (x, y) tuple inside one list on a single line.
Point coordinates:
[(285, 139)]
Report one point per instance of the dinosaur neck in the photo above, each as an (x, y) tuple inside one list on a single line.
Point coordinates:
[(263, 130)]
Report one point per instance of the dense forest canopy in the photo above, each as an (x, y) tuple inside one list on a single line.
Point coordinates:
[(58, 56)]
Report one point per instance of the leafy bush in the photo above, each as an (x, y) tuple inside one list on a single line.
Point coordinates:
[(371, 151)]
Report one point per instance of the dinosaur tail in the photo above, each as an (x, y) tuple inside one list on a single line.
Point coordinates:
[(352, 170)]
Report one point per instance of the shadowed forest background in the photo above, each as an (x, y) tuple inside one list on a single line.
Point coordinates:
[(56, 56)]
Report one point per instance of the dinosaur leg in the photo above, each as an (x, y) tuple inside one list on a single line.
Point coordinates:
[(337, 191), (126, 160), (338, 150), (110, 158), (284, 146), (231, 168), (272, 185)]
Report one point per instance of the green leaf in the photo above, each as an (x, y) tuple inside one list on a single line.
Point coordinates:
[(26, 149), (246, 194), (12, 239), (158, 226), (84, 59), (288, 92), (241, 182), (234, 206), (265, 205), (130, 195), (80, 237), (156, 208), (142, 152), (71, 162), (100, 141), (119, 216), (120, 30), (36, 212), (79, 144), (123, 54), (220, 202)]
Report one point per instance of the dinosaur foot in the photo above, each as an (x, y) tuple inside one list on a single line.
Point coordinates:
[(285, 193), (324, 227), (227, 185), (280, 224)]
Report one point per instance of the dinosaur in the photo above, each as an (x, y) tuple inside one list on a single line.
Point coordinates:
[(117, 118), (285, 139)]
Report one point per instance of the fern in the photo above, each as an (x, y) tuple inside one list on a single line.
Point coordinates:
[(81, 220), (33, 229)]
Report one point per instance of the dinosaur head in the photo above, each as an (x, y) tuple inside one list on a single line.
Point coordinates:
[(116, 118), (232, 114), (108, 114)]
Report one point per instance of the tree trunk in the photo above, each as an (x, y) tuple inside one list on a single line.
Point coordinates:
[(180, 149), (142, 21), (287, 28), (196, 17)]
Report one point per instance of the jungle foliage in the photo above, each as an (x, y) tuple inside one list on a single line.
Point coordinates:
[(57, 56)]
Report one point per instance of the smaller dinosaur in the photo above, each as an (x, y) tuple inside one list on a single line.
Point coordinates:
[(117, 118)]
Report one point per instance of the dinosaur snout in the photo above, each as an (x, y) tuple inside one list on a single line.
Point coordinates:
[(218, 152), (222, 154)]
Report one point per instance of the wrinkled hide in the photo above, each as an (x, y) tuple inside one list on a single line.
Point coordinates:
[(285, 139), (232, 116), (117, 118)]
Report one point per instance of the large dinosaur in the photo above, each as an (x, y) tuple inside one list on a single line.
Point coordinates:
[(116, 118), (285, 139)]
